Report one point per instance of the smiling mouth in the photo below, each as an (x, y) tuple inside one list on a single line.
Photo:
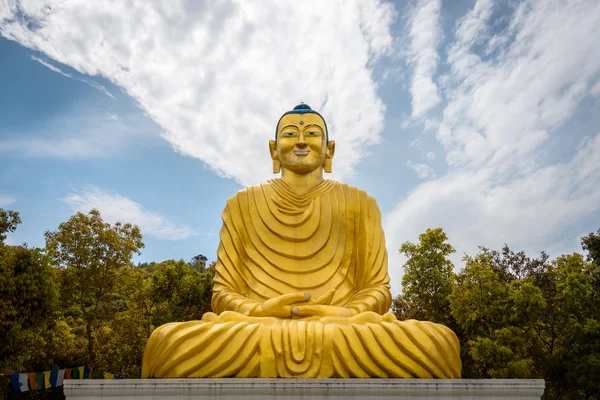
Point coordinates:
[(301, 152)]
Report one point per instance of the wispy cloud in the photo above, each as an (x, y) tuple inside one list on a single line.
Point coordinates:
[(183, 67), (430, 155), (6, 200), (114, 207), (97, 86), (424, 35), (423, 171), (50, 66), (501, 187), (91, 83)]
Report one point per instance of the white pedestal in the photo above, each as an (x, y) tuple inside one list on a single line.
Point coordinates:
[(264, 389)]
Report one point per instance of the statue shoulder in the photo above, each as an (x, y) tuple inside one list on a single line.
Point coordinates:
[(244, 192), (362, 195)]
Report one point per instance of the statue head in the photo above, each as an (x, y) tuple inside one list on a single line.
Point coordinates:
[(301, 142)]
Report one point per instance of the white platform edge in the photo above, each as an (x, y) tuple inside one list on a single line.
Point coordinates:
[(231, 388)]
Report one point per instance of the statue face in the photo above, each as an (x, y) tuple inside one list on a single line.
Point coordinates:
[(301, 146)]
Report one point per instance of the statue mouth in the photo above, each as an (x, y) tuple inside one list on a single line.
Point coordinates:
[(301, 152)]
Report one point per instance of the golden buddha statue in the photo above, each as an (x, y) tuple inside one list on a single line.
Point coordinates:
[(302, 286)]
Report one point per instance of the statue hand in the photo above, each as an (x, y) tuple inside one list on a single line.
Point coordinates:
[(281, 306), (324, 299), (322, 311)]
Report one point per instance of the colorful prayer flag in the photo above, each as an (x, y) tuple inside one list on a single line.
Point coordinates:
[(75, 373), (81, 372), (24, 382), (68, 373), (32, 383), (108, 375), (14, 379), (86, 372), (60, 377), (53, 378), (39, 380), (47, 384)]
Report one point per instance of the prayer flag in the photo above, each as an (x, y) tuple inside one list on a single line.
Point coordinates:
[(75, 373), (32, 383), (86, 372), (108, 375), (60, 377), (47, 383), (67, 373), (53, 378), (81, 372), (38, 377), (23, 382), (14, 379)]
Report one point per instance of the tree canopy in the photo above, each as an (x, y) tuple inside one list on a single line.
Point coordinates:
[(515, 316), (81, 300)]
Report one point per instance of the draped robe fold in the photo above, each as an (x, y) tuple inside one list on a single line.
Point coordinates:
[(275, 241)]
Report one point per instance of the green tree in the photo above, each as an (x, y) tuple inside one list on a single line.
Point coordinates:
[(28, 303), (428, 279), (496, 319), (175, 292), (8, 222), (92, 256), (570, 330), (160, 293), (591, 244)]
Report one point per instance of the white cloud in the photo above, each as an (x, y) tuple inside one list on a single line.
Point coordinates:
[(424, 35), (423, 171), (596, 89), (50, 66), (501, 187), (431, 123), (217, 75), (91, 83), (116, 208), (97, 86), (6, 200), (417, 143), (430, 155)]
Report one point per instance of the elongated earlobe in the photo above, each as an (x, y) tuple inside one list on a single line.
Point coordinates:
[(276, 166), (274, 156), (327, 165)]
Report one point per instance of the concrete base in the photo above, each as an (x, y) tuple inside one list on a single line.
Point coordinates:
[(264, 389)]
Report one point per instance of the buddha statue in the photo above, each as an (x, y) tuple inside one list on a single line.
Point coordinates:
[(301, 287)]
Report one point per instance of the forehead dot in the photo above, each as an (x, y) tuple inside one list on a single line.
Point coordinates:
[(301, 122)]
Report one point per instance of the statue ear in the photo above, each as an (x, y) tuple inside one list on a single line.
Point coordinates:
[(327, 166), (274, 156)]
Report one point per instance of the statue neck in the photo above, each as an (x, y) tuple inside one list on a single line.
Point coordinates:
[(302, 183)]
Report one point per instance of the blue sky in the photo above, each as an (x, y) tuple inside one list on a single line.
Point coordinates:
[(480, 117)]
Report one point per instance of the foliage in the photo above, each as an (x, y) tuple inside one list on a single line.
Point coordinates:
[(591, 244), (28, 304), (516, 316), (8, 222), (428, 279), (94, 307), (91, 256)]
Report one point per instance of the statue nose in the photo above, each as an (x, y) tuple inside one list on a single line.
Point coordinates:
[(301, 143)]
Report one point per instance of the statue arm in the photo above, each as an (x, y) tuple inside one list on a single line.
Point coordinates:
[(372, 272), (226, 299)]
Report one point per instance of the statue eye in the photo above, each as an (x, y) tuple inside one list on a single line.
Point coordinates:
[(289, 133), (313, 133)]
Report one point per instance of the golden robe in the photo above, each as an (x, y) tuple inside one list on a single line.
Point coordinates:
[(275, 241)]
